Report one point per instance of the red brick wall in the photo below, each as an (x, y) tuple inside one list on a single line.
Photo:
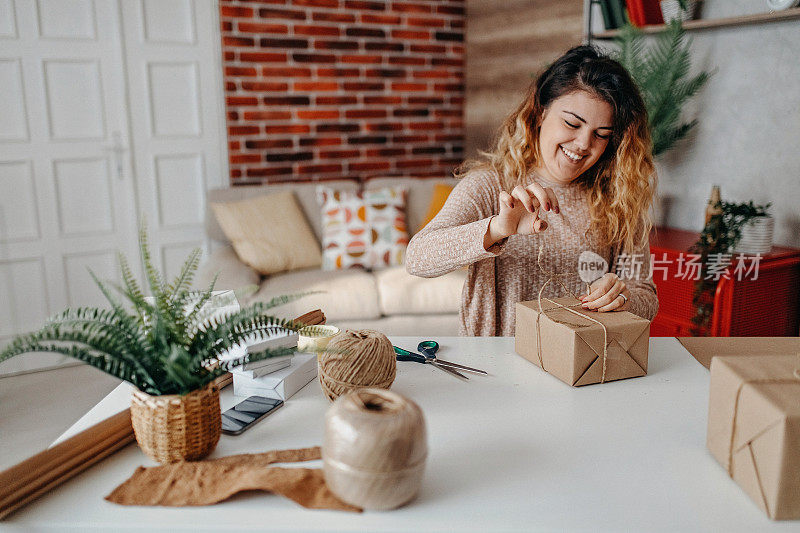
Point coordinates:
[(325, 89)]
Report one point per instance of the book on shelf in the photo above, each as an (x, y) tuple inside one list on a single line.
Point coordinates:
[(602, 8), (597, 20), (635, 12), (644, 12), (651, 10), (617, 11)]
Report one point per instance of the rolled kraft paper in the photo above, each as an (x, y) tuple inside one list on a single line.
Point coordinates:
[(354, 360), (375, 448)]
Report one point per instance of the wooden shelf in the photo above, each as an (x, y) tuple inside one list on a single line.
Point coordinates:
[(705, 24)]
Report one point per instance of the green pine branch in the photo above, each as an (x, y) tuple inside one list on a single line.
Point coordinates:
[(661, 70)]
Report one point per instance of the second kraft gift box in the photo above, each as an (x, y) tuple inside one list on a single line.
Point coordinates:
[(754, 428), (568, 341)]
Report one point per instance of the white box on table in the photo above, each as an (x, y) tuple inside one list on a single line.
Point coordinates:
[(280, 385)]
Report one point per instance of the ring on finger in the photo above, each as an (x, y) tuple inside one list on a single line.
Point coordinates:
[(624, 298)]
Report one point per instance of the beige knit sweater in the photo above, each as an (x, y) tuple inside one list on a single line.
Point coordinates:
[(508, 272)]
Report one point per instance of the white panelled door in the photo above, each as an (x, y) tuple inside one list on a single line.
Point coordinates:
[(109, 111), (65, 200), (174, 81)]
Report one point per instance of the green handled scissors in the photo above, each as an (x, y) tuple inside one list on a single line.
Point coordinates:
[(429, 349)]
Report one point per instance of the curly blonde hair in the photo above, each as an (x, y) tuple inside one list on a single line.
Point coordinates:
[(622, 182)]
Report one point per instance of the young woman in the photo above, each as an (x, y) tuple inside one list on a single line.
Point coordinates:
[(572, 172)]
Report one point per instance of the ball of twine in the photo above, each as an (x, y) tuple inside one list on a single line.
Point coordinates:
[(375, 449), (354, 360)]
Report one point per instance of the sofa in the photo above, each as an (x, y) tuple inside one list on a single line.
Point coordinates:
[(388, 300)]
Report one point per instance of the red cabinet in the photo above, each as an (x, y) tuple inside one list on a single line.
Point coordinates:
[(754, 297)]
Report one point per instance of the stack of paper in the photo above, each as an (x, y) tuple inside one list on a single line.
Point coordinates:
[(254, 369), (269, 366), (280, 385)]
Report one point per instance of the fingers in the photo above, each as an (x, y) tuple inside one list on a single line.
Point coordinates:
[(545, 195), (553, 200), (604, 292), (600, 286), (616, 302), (539, 225), (506, 200), (531, 203)]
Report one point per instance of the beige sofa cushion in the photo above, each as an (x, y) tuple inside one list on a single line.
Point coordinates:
[(400, 293), (349, 294), (269, 232), (229, 271), (420, 191), (304, 192)]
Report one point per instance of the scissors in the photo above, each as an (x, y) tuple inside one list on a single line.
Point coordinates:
[(428, 355)]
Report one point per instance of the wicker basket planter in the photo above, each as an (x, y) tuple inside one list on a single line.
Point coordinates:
[(174, 428)]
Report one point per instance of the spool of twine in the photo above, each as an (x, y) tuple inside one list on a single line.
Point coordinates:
[(374, 449), (354, 360)]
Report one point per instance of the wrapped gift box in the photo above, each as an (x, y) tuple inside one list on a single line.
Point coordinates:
[(572, 342), (754, 428)]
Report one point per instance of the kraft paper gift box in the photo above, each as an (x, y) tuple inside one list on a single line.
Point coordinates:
[(572, 341), (754, 428)]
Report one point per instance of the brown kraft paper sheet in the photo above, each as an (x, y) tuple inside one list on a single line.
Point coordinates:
[(704, 348), (754, 428), (215, 480), (572, 344)]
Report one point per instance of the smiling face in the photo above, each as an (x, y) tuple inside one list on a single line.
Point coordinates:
[(575, 131)]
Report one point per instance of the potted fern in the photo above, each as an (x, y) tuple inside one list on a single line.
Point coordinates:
[(167, 345)]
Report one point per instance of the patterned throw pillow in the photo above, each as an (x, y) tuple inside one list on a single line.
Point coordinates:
[(364, 229)]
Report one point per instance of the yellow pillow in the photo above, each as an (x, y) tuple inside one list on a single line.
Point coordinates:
[(440, 193), (269, 233)]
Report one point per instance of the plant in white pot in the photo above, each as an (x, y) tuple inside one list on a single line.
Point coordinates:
[(724, 234), (167, 345), (752, 225)]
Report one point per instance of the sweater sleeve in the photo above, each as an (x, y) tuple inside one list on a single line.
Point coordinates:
[(454, 238), (634, 270)]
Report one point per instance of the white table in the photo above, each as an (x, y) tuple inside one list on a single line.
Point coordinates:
[(518, 450)]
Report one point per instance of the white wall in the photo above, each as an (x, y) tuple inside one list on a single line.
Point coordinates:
[(748, 136)]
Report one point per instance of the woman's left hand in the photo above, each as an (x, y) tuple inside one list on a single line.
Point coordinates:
[(608, 293)]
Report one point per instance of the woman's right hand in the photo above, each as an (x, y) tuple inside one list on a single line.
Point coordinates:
[(519, 212)]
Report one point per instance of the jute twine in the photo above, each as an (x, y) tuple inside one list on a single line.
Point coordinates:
[(354, 360), (375, 449), (554, 276)]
